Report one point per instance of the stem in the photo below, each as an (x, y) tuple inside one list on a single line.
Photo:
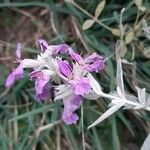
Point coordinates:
[(131, 103), (121, 99), (137, 18), (120, 23), (24, 4), (108, 96)]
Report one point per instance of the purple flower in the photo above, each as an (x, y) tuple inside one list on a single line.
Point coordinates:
[(78, 83), (70, 106), (42, 87), (15, 75)]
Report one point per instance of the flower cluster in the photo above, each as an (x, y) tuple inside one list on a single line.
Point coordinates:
[(58, 66)]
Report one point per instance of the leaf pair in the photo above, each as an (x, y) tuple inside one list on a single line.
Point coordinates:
[(89, 22)]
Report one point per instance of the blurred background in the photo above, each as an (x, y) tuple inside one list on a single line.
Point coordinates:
[(26, 124)]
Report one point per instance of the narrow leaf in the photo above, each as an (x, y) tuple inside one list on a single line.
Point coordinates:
[(87, 24), (94, 84), (99, 8), (120, 83), (109, 112), (34, 112)]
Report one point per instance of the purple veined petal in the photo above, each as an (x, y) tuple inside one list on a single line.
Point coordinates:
[(70, 106), (34, 74), (75, 56), (42, 86), (45, 93), (93, 57), (18, 51), (43, 45), (41, 81), (15, 75), (81, 86), (95, 66), (76, 102), (64, 68)]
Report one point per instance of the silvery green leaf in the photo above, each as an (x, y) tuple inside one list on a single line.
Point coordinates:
[(146, 144), (109, 112), (91, 96), (129, 37), (99, 8), (87, 24), (120, 83), (94, 84)]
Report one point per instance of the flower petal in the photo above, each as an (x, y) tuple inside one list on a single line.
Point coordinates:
[(70, 106), (43, 45), (18, 52), (61, 48), (45, 93), (82, 86), (94, 63), (15, 75), (64, 68), (75, 56)]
